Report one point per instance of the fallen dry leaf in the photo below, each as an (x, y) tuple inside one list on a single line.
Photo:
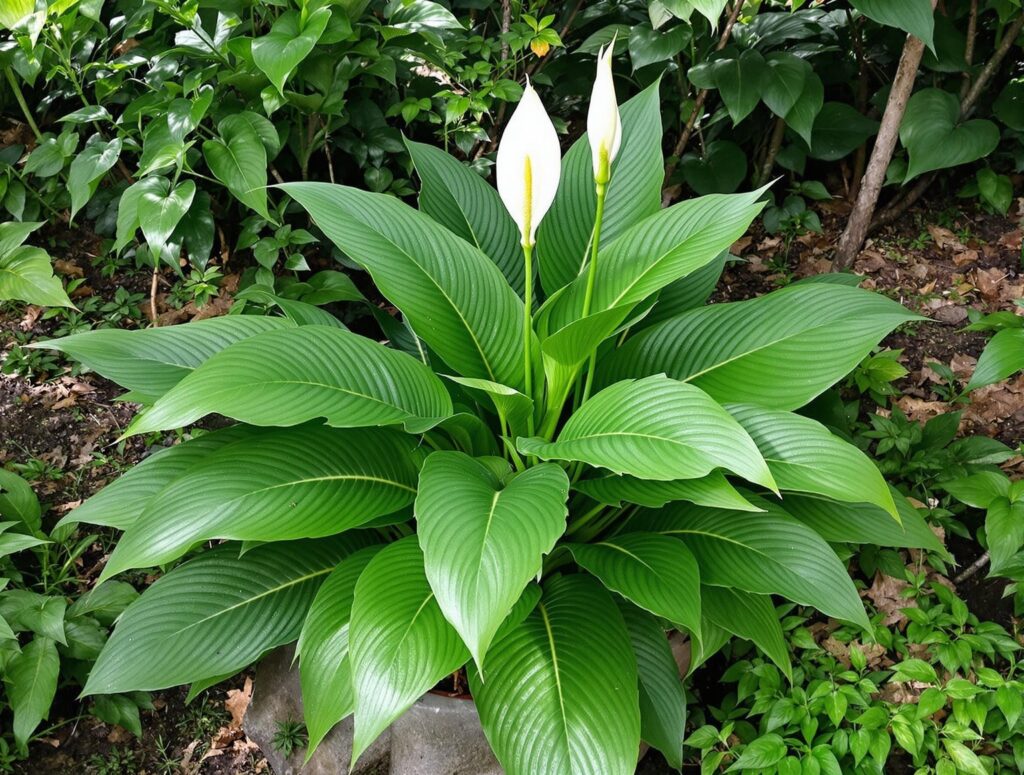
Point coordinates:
[(886, 594), (237, 703)]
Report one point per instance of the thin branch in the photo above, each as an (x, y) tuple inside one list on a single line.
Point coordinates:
[(972, 569)]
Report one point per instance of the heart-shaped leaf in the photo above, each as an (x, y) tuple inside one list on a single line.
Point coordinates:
[(935, 138), (290, 40), (484, 537)]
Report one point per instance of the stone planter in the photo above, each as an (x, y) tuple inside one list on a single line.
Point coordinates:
[(439, 735)]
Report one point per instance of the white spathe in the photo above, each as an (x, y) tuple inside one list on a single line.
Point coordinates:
[(604, 127), (529, 164)]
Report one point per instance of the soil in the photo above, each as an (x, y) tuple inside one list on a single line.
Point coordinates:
[(939, 260)]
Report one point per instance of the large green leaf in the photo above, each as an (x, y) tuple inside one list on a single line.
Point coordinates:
[(460, 200), (653, 571), (325, 672), (633, 194), (936, 138), (400, 643), (662, 699), (31, 681), (89, 167), (740, 78), (26, 275), (151, 361), (711, 490), (751, 617), (785, 81), (303, 482), (484, 536), (292, 375), (1002, 356), (18, 501), (778, 351), (838, 130), (120, 503), (238, 159), (561, 691), (454, 296), (655, 428), (216, 614), (864, 523), (768, 553), (803, 455), (659, 250), (914, 17), (290, 40), (160, 210)]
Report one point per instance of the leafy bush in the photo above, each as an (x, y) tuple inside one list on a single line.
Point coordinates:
[(63, 640), (388, 505)]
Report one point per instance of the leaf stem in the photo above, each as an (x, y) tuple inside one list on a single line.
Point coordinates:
[(588, 296), (20, 98)]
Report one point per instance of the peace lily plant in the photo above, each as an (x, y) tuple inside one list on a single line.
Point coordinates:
[(558, 455)]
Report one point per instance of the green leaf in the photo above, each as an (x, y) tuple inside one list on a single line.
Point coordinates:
[(18, 501), (238, 159), (751, 617), (31, 680), (105, 602), (120, 503), (712, 490), (1004, 531), (838, 130), (151, 361), (655, 428), (1002, 357), (510, 404), (802, 116), (32, 612), (290, 40), (274, 486), (292, 375), (484, 537), (460, 200), (864, 523), (914, 670), (769, 553), (1010, 703), (455, 298), (400, 643), (784, 84), (648, 46), (633, 193), (763, 753), (662, 700), (740, 78), (936, 138), (561, 690), (803, 455), (979, 489), (26, 275), (659, 250), (720, 169), (216, 614), (88, 168), (14, 233), (653, 571), (777, 351), (914, 17), (324, 669), (159, 213)]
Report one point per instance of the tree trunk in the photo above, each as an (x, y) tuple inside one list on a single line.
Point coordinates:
[(881, 154)]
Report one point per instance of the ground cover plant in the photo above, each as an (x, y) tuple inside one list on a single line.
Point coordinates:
[(503, 439)]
